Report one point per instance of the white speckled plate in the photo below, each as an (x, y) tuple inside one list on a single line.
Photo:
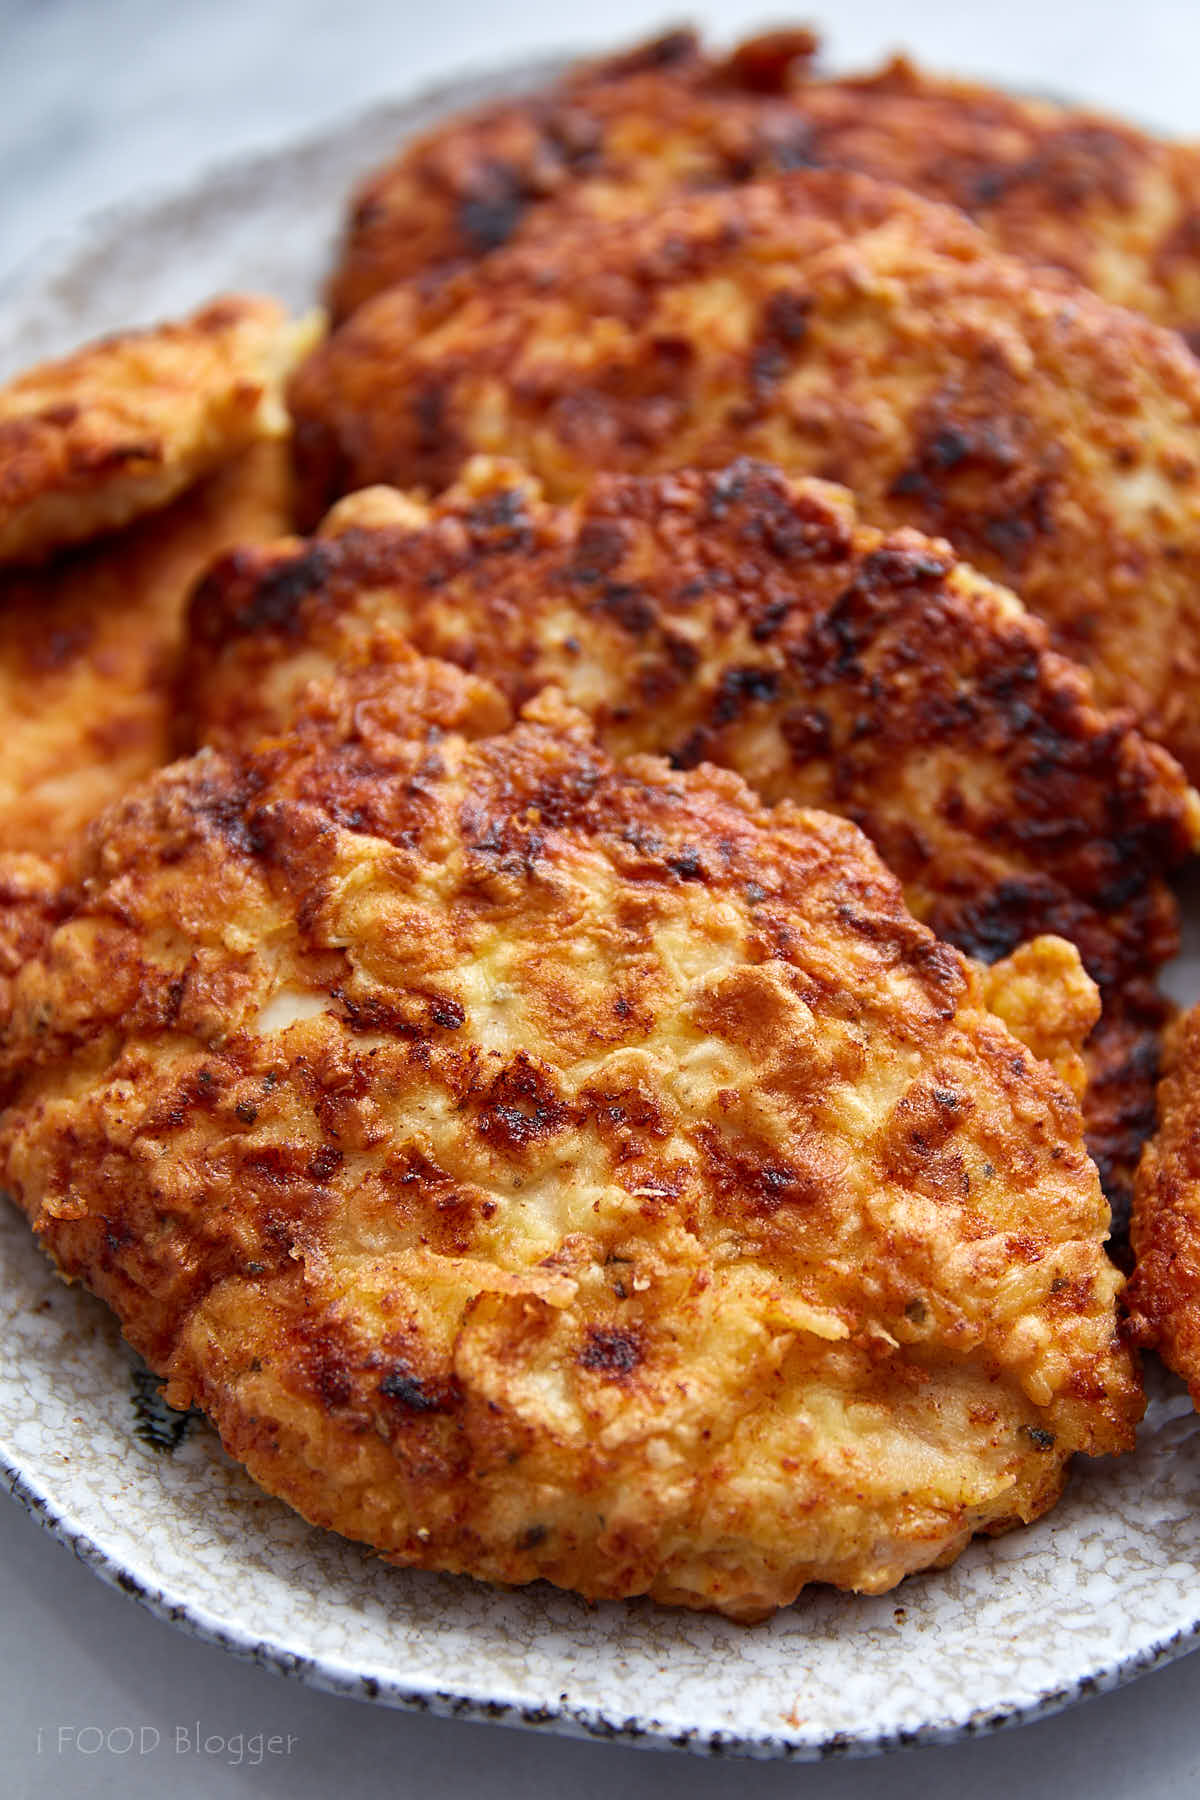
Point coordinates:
[(1106, 1586)]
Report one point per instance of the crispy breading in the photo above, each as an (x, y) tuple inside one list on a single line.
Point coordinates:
[(1117, 208), (544, 1168), (753, 622), (124, 425), (1163, 1299), (842, 328)]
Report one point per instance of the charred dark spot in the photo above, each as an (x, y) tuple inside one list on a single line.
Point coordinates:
[(246, 1112), (870, 599), (611, 1351), (807, 732), (600, 548), (629, 605), (782, 331), (446, 1012), (531, 1537), (324, 1164), (1038, 1437), (403, 1015), (227, 810), (768, 366), (522, 1106), (997, 919), (492, 211), (416, 1393), (752, 1180), (786, 317), (946, 449), (281, 592), (687, 865), (799, 150), (502, 518), (740, 688), (971, 479), (683, 654), (329, 1371), (430, 413)]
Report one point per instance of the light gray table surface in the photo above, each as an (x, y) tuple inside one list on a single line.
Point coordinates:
[(103, 102)]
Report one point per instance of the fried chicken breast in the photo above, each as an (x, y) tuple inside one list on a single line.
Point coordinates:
[(541, 1167), (742, 619), (1114, 206), (1164, 1293), (841, 328), (125, 425)]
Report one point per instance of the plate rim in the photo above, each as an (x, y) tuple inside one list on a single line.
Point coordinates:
[(328, 1675)]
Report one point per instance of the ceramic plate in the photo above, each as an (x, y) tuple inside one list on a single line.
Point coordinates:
[(1105, 1587)]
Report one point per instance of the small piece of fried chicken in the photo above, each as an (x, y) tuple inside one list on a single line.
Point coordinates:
[(840, 327), (541, 1167), (123, 426), (88, 649), (742, 619), (1055, 184), (1164, 1291)]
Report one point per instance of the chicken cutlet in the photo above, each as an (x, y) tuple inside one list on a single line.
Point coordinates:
[(88, 650), (741, 619), (125, 425), (544, 1167), (615, 137), (1164, 1292), (1116, 207), (842, 328), (88, 647)]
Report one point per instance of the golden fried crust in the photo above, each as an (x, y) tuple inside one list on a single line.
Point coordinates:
[(125, 425), (740, 619), (1116, 208), (538, 1167), (1164, 1291), (841, 328)]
